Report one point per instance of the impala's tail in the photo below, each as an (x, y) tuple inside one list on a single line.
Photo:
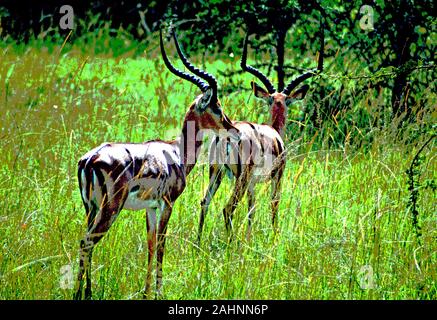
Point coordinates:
[(90, 185)]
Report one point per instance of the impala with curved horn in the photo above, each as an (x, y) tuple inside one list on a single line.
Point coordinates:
[(266, 147), (150, 176)]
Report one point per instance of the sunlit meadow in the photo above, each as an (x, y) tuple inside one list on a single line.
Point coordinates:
[(345, 225)]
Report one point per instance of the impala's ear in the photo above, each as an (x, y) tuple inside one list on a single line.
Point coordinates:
[(259, 91), (204, 100), (298, 94)]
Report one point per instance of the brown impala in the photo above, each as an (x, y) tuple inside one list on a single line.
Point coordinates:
[(150, 176), (260, 154)]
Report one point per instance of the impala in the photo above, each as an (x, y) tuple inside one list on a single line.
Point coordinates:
[(150, 176), (260, 155)]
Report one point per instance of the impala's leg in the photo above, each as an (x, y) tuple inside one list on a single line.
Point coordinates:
[(215, 178), (96, 230), (99, 222), (276, 192), (151, 242), (104, 220), (251, 202), (239, 190), (162, 230), (84, 254)]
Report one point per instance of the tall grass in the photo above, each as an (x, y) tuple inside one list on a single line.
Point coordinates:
[(345, 228)]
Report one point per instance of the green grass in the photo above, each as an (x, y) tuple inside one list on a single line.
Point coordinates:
[(343, 210)]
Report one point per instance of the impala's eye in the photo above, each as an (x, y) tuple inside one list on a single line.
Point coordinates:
[(288, 102), (270, 99)]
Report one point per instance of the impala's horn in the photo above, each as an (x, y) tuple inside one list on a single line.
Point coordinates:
[(193, 79), (212, 81), (269, 86)]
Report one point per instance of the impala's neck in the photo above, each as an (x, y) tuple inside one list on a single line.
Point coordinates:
[(279, 117), (189, 143)]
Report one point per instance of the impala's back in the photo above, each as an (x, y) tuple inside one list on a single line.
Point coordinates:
[(260, 146), (140, 174)]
